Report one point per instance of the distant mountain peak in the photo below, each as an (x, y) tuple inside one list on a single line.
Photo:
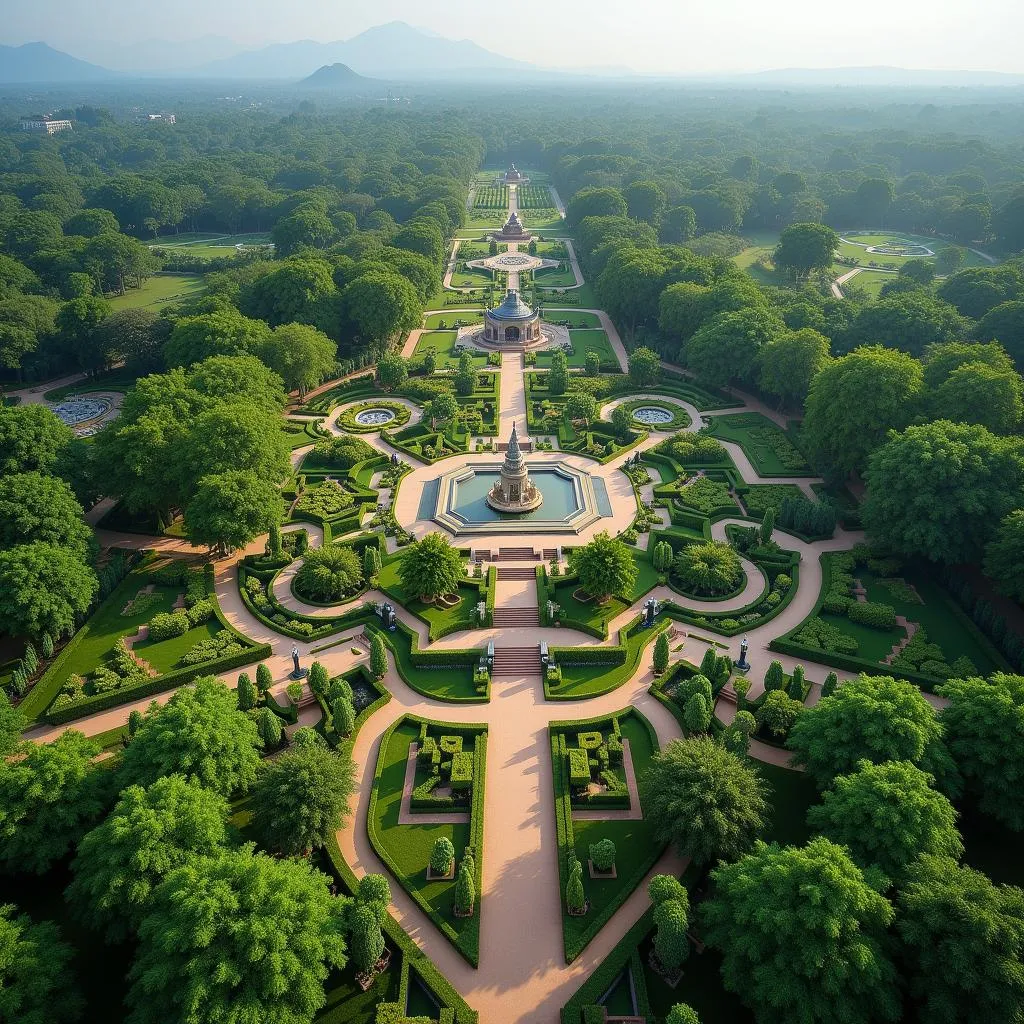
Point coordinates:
[(335, 76), (39, 62)]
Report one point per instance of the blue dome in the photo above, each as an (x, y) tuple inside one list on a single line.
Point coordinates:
[(511, 308)]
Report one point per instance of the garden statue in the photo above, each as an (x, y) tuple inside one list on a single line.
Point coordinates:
[(650, 611), (297, 671), (743, 665)]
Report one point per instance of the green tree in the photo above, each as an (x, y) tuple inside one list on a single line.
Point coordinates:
[(979, 724), (381, 305), (592, 364), (378, 656), (605, 566), (35, 970), (796, 684), (78, 323), (343, 714), (465, 890), (727, 347), (245, 692), (264, 680), (367, 942), (12, 722), (949, 259), (268, 726), (644, 367), (711, 568), (803, 248), (696, 714), (303, 356), (444, 407), (306, 225), (558, 375), (392, 371), (778, 713), (371, 562), (645, 200), (978, 393), (909, 321), (1005, 323), (872, 718), (661, 653), (148, 834), (301, 798), (329, 573), (886, 815), (962, 943), (595, 202), (764, 533), (811, 945), (919, 271), (204, 947), (288, 291), (230, 509), (441, 855), (199, 733), (581, 406), (682, 1013), (789, 362), (431, 567), (662, 556), (224, 332), (575, 897), (31, 438), (465, 375), (854, 401), (1004, 555), (829, 686), (36, 507), (48, 799), (43, 589), (678, 225), (937, 490), (704, 799)]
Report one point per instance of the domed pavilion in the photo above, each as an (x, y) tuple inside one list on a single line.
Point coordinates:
[(513, 230), (514, 491), (512, 323), (513, 176)]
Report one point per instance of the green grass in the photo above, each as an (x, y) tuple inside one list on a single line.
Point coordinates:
[(635, 846), (584, 341), (593, 680), (408, 847), (160, 290), (434, 321), (209, 247), (442, 342), (165, 655), (555, 277), (589, 612), (440, 619), (762, 441), (571, 318)]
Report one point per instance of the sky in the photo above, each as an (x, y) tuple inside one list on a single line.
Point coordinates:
[(664, 36)]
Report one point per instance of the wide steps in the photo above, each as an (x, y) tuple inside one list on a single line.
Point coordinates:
[(512, 617), (516, 555), (516, 572), (516, 661), (549, 554)]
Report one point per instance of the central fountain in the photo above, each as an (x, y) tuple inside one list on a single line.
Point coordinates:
[(514, 491)]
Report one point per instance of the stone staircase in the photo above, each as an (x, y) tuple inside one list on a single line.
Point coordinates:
[(516, 661), (516, 555), (516, 617), (516, 572)]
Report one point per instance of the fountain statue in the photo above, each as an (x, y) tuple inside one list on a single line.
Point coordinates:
[(514, 491)]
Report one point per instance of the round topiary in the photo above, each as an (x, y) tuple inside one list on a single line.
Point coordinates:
[(711, 569), (329, 574), (442, 855)]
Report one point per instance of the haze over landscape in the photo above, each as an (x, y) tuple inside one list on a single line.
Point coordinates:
[(659, 37)]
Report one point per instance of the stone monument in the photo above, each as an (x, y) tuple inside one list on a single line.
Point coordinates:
[(514, 491)]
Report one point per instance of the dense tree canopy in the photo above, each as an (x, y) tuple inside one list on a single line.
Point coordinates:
[(605, 566)]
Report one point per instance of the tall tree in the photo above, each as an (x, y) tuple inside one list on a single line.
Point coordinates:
[(789, 362), (803, 936), (31, 437), (35, 507), (962, 943), (301, 798), (431, 567), (939, 489), (230, 509), (35, 964), (48, 799), (805, 247), (886, 815), (44, 589), (726, 348), (1004, 555), (605, 566), (707, 801), (148, 834), (870, 718), (854, 401), (198, 733), (303, 356), (237, 937)]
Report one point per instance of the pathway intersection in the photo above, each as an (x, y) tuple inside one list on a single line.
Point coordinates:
[(522, 977)]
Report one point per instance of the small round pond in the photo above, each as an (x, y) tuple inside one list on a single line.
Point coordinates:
[(652, 415), (374, 417), (73, 411)]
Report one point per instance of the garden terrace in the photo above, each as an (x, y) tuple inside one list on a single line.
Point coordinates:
[(766, 445), (635, 847), (406, 848)]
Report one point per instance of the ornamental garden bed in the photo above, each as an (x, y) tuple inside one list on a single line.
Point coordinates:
[(765, 443), (945, 644), (349, 419), (635, 846), (406, 848)]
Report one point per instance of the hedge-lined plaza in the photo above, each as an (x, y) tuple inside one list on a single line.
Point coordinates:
[(729, 671)]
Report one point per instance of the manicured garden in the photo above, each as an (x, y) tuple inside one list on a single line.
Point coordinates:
[(766, 445)]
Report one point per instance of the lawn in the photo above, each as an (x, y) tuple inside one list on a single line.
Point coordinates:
[(570, 318), (636, 848), (458, 317), (764, 443), (160, 290), (441, 620), (859, 252), (580, 681), (584, 341), (595, 615), (555, 277), (869, 282), (442, 342), (165, 655), (210, 247), (406, 848)]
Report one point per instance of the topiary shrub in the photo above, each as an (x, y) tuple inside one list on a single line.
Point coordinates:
[(602, 855), (442, 855), (167, 625), (873, 614), (329, 574)]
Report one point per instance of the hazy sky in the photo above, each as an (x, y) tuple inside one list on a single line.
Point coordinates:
[(650, 35)]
